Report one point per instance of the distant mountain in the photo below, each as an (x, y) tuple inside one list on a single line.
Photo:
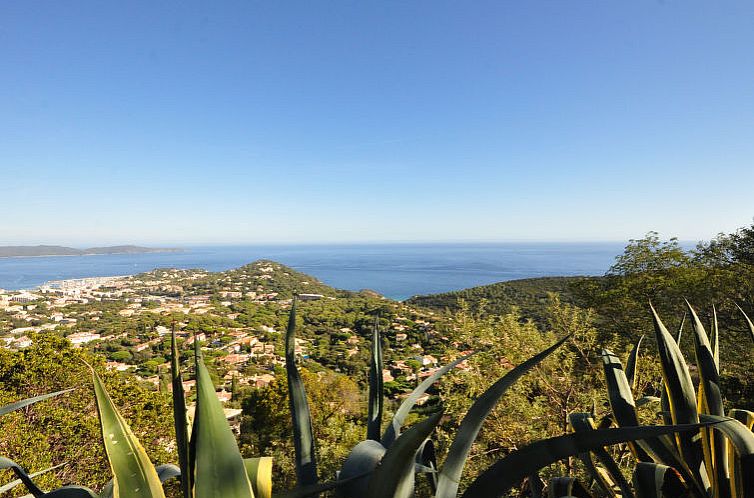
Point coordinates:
[(42, 250)]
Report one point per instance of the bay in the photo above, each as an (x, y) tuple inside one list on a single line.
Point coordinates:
[(397, 271)]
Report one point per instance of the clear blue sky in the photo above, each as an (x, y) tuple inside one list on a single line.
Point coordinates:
[(314, 121)]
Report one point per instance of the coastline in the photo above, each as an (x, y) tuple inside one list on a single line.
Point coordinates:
[(158, 251)]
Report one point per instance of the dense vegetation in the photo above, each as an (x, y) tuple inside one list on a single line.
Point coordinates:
[(576, 385), (529, 297)]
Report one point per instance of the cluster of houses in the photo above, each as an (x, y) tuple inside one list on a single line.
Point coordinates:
[(244, 357)]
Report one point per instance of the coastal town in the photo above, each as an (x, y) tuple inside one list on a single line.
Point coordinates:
[(238, 316)]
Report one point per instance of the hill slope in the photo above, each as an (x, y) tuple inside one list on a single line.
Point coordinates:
[(529, 295)]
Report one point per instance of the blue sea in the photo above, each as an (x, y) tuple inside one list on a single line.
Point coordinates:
[(397, 271)]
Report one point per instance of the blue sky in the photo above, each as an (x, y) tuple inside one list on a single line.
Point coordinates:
[(320, 121)]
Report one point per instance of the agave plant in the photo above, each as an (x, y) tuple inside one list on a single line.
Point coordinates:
[(713, 460)]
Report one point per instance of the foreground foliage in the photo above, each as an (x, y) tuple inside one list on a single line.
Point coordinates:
[(697, 451)]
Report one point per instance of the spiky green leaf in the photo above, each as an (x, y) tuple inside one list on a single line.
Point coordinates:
[(303, 435), (376, 397), (394, 476), (633, 359), (506, 473), (134, 475), (394, 429), (30, 401), (450, 474), (180, 420)]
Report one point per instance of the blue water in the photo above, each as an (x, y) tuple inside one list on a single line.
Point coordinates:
[(397, 271)]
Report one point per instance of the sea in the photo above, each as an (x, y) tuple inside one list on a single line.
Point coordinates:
[(397, 271)]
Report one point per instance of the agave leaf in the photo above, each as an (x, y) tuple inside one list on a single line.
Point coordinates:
[(394, 429), (394, 476), (315, 489), (164, 472), (633, 359), (71, 492), (303, 436), (167, 471), (195, 422), (654, 480), (715, 338), (582, 422), (682, 398), (746, 417), (741, 463), (374, 418), (219, 469), (361, 461), (679, 333), (259, 471), (180, 420), (30, 401), (536, 486), (624, 411), (450, 474), (506, 473), (134, 475), (426, 457), (7, 487), (562, 487), (748, 322), (7, 463), (621, 399), (710, 402)]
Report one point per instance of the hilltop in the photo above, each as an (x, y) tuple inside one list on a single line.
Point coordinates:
[(52, 250)]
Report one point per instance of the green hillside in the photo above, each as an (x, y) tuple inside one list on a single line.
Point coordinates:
[(529, 295)]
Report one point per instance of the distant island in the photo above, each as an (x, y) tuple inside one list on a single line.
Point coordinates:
[(42, 250)]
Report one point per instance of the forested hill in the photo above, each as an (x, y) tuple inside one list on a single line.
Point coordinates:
[(529, 295)]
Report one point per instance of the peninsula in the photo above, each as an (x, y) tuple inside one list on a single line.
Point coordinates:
[(43, 250)]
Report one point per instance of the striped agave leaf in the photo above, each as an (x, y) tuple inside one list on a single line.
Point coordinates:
[(609, 474), (654, 480), (710, 402), (450, 473), (740, 441), (624, 411), (303, 435), (682, 398)]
